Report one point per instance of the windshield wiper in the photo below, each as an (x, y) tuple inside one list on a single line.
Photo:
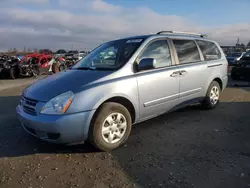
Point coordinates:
[(85, 68), (94, 68)]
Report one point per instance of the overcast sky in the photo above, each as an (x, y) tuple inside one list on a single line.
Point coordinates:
[(84, 24)]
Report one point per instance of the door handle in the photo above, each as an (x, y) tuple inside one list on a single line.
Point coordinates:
[(183, 72), (175, 74)]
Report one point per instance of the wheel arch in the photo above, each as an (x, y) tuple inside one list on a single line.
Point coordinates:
[(217, 79), (120, 100)]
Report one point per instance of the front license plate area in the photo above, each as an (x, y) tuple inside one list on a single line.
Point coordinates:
[(41, 134)]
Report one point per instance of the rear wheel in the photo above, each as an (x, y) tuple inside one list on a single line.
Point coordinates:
[(212, 97), (14, 72), (110, 127)]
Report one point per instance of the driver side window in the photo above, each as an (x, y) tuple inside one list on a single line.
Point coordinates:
[(158, 50)]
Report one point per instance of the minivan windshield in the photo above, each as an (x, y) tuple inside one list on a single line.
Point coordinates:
[(111, 55)]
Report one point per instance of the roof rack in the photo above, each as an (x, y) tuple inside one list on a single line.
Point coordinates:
[(182, 33)]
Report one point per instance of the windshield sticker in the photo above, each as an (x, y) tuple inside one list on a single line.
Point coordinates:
[(134, 41)]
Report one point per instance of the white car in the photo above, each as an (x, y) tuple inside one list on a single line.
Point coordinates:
[(82, 54)]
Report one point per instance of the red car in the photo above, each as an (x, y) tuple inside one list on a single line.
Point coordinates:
[(41, 59)]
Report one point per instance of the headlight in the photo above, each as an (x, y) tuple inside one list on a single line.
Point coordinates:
[(59, 104)]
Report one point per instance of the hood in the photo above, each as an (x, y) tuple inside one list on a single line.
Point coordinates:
[(70, 80), (245, 58)]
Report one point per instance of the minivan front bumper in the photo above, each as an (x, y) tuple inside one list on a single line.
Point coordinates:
[(66, 129)]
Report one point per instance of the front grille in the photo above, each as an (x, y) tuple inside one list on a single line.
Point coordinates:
[(29, 110), (28, 105)]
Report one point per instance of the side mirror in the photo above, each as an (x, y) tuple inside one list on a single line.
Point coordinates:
[(146, 64)]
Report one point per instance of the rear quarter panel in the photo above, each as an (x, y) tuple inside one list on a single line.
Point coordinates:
[(217, 69)]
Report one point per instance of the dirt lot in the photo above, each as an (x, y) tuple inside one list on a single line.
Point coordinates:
[(10, 83), (188, 148)]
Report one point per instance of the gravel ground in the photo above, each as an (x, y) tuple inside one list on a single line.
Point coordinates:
[(10, 83), (187, 148)]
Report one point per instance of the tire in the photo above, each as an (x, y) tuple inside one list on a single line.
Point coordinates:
[(101, 122), (55, 68), (208, 102), (13, 72), (62, 67)]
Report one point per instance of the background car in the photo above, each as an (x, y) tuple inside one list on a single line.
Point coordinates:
[(241, 71), (82, 54), (29, 67), (234, 57), (41, 59), (72, 54), (9, 66), (45, 51), (61, 52)]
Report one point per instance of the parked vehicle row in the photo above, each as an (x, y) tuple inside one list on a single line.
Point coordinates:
[(32, 65), (121, 83)]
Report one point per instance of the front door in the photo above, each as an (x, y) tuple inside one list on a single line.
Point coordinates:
[(193, 71), (159, 87)]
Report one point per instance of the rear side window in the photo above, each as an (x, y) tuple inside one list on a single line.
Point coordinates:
[(187, 51), (209, 50)]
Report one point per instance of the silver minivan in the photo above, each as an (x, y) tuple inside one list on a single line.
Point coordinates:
[(121, 83)]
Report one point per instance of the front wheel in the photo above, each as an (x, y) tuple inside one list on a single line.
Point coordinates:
[(212, 97), (111, 126)]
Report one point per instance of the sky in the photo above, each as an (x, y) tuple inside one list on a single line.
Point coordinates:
[(84, 24)]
